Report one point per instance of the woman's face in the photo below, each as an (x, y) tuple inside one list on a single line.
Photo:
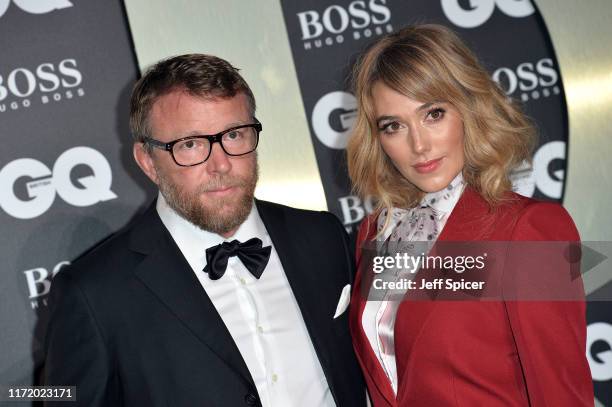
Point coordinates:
[(424, 139)]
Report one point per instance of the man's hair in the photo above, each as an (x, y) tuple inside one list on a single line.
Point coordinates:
[(430, 63), (199, 75)]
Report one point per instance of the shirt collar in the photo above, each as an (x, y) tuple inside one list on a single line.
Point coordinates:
[(444, 201)]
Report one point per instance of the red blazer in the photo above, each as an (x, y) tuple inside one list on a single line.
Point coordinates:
[(494, 353)]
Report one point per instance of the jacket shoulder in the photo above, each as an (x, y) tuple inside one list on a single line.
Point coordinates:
[(519, 217), (541, 220), (108, 260), (295, 217)]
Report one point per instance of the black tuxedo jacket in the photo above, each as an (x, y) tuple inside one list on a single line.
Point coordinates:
[(131, 325)]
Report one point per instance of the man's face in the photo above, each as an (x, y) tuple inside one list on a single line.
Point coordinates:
[(216, 195)]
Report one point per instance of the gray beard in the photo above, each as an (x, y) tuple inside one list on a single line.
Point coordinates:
[(188, 205)]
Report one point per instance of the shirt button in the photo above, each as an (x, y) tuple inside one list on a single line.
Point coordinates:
[(274, 378), (242, 281), (259, 329)]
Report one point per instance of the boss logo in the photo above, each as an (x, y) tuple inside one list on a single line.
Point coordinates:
[(41, 184), (363, 18), (35, 6), (533, 80), (354, 209), (39, 282), (55, 82), (600, 362), (480, 11)]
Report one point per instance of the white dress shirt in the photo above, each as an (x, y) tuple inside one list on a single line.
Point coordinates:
[(443, 202), (262, 315)]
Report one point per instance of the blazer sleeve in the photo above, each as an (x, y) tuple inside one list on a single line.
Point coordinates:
[(550, 333), (76, 353)]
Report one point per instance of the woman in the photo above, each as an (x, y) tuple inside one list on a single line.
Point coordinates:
[(435, 141)]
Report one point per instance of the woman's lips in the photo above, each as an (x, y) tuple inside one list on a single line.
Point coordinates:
[(428, 166)]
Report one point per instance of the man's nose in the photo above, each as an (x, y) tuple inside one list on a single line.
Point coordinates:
[(218, 161)]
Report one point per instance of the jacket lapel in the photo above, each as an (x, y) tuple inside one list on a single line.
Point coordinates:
[(468, 220), (364, 352), (167, 274)]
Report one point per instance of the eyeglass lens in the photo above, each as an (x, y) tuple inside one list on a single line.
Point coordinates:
[(236, 142)]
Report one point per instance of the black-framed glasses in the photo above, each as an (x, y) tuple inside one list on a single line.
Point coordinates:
[(194, 150)]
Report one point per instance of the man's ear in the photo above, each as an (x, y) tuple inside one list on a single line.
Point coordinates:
[(145, 161)]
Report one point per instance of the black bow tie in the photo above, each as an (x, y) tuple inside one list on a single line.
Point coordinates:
[(253, 256)]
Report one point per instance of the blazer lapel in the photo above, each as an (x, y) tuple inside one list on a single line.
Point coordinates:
[(468, 219), (167, 274), (364, 352)]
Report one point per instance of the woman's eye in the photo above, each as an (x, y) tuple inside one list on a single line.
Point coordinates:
[(436, 114), (189, 144), (390, 127)]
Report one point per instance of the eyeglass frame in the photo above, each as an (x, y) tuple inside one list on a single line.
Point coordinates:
[(214, 138)]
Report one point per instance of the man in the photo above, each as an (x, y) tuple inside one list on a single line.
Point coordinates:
[(211, 298)]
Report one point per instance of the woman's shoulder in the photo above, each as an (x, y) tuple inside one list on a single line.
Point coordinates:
[(518, 217), (530, 207), (540, 220)]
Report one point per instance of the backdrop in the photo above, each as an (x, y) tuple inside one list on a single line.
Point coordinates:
[(66, 175)]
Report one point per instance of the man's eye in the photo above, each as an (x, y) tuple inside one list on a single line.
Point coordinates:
[(190, 145), (234, 135)]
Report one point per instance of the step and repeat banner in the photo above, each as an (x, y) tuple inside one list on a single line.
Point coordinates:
[(512, 41), (67, 178)]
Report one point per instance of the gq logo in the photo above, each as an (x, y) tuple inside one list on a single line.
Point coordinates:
[(549, 182), (600, 362), (45, 183), (333, 117), (481, 10), (35, 6)]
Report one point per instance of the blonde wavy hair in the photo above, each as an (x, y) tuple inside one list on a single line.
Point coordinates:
[(430, 63)]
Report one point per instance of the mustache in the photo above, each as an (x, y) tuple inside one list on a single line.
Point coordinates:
[(226, 181)]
